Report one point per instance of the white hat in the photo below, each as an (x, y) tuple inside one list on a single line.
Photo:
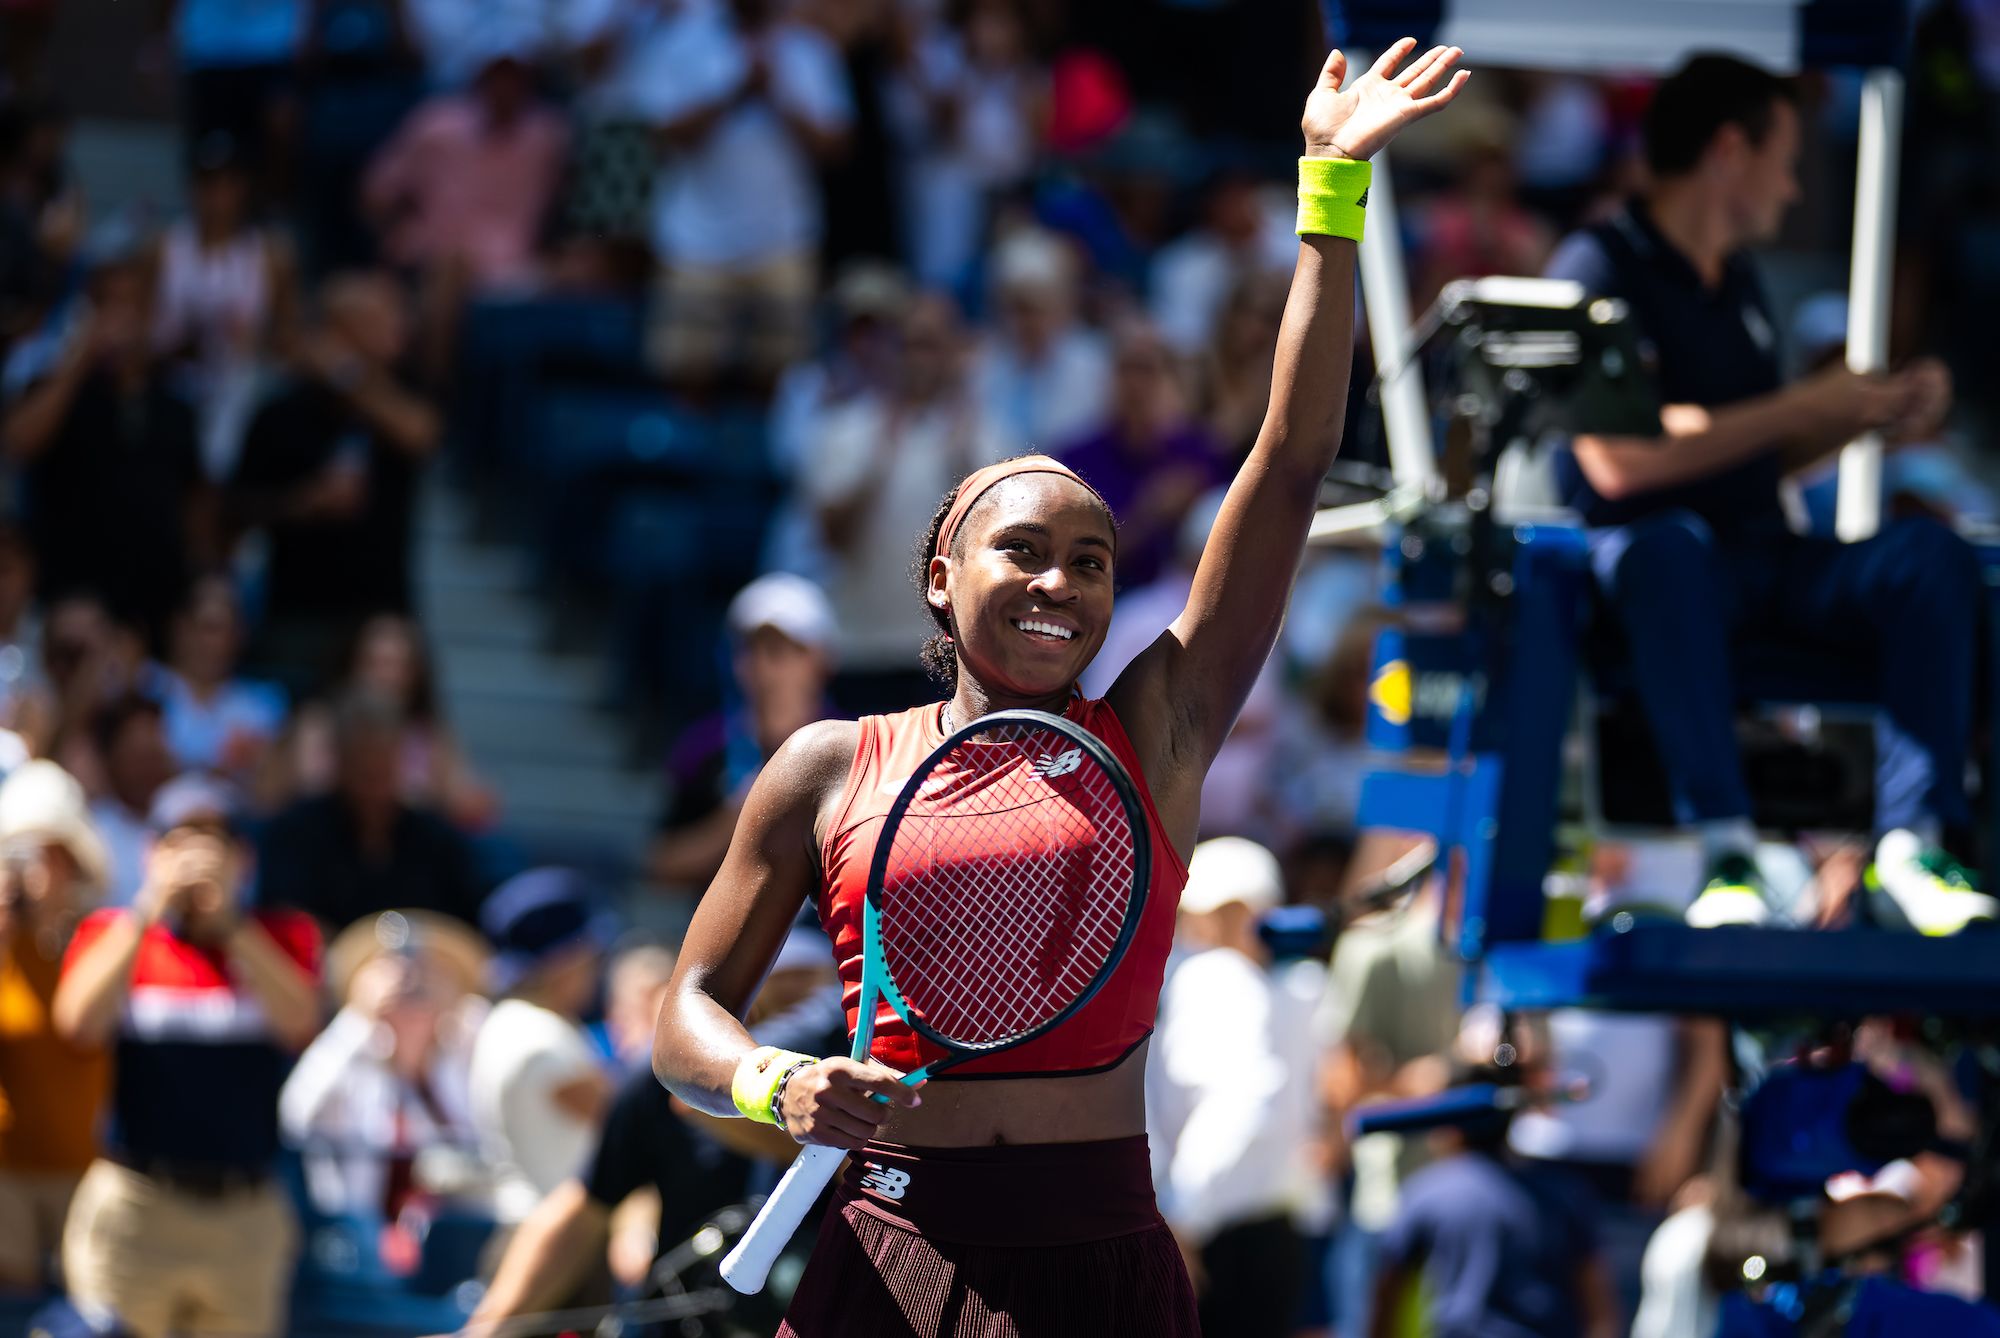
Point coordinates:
[(41, 801), (1231, 868), (790, 604)]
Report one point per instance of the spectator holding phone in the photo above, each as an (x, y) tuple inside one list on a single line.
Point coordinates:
[(51, 863), (180, 1226)]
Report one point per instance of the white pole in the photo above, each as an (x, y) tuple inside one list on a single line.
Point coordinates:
[(1386, 291), (1858, 503)]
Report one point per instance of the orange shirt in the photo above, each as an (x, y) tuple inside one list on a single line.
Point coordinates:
[(51, 1093)]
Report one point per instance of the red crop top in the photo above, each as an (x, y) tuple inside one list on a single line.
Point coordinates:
[(1100, 1034)]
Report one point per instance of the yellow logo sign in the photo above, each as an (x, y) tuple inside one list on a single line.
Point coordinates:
[(1390, 692)]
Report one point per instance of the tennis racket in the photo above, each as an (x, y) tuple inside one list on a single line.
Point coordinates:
[(1007, 883)]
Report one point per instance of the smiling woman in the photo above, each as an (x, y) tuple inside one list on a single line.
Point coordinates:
[(1030, 525), (947, 1221)]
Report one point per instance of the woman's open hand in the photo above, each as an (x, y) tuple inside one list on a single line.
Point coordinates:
[(1355, 120)]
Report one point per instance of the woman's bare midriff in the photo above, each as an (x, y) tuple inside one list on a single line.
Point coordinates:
[(1026, 1110)]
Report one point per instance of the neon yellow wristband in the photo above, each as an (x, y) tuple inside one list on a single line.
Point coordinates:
[(1333, 197), (757, 1079)]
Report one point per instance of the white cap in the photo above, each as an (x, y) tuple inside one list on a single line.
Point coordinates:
[(790, 604), (1231, 868), (42, 802)]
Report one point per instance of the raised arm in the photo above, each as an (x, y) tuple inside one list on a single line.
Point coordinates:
[(1204, 665)]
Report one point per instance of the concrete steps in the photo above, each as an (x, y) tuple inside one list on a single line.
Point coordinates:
[(530, 717)]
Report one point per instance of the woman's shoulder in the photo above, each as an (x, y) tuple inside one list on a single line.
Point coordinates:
[(813, 763)]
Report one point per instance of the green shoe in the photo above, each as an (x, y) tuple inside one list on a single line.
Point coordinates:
[(1735, 895), (1923, 887)]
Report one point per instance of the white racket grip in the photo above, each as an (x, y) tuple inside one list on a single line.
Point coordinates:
[(746, 1266)]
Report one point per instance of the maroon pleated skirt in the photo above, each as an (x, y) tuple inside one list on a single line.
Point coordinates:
[(1049, 1240)]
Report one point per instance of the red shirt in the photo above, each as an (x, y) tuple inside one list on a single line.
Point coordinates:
[(1100, 1034), (198, 1068)]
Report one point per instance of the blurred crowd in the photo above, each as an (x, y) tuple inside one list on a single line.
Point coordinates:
[(267, 954)]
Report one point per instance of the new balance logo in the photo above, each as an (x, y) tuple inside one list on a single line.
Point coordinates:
[(1060, 765), (885, 1181)]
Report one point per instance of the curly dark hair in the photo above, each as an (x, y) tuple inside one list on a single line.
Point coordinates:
[(938, 655)]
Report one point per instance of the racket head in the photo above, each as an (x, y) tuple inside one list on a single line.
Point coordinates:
[(1008, 881)]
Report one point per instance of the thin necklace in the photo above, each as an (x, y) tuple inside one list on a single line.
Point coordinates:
[(944, 718)]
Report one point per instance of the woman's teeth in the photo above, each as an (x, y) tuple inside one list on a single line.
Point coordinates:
[(1045, 629)]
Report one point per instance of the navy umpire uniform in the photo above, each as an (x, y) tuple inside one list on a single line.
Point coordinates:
[(1690, 553)]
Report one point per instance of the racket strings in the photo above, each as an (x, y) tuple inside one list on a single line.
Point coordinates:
[(1008, 885)]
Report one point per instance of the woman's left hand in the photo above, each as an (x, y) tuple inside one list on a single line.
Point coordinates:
[(1354, 119)]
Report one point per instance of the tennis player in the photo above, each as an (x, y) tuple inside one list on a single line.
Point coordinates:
[(1013, 1195)]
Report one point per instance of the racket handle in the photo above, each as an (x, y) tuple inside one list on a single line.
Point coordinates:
[(746, 1266)]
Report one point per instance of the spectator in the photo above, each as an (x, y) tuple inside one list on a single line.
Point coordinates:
[(637, 984), (329, 471), (1322, 748), (110, 455), (1195, 276), (236, 61), (457, 37), (1232, 1103), (753, 101), (1503, 1247), (27, 702), (463, 189), (782, 632), (181, 1226), (1236, 369), (361, 849), (41, 216), (390, 1077), (388, 660), (131, 741), (874, 479), (228, 299), (1391, 1012), (1689, 536), (91, 661), (215, 721), (688, 1164), (539, 1093), (651, 1143), (617, 51), (1638, 1138), (1479, 226), (1151, 460), (1042, 377), (975, 105), (51, 1092), (869, 300)]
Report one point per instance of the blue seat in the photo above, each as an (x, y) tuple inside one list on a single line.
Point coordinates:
[(674, 557), (506, 347)]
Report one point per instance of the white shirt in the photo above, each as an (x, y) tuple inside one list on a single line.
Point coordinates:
[(1046, 404), (1232, 1105), (747, 193), (1628, 1060), (524, 1053), (199, 732), (903, 463), (349, 1111)]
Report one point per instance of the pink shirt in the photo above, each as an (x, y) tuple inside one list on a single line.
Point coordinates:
[(451, 184)]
